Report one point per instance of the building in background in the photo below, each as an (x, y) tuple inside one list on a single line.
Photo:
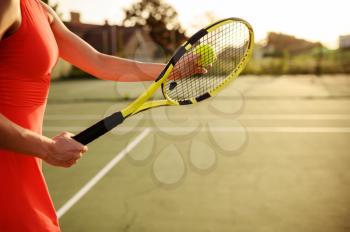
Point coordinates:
[(344, 41), (127, 42)]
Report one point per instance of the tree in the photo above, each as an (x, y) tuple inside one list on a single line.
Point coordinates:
[(160, 19), (278, 43)]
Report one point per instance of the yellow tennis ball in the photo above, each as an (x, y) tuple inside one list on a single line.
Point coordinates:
[(206, 53)]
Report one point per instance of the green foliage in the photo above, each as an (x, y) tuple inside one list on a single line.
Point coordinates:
[(161, 20), (330, 62), (286, 54), (343, 58), (277, 44)]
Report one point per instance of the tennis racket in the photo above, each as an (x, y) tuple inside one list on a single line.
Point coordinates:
[(223, 48)]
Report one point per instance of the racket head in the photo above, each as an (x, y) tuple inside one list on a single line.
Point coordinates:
[(228, 44)]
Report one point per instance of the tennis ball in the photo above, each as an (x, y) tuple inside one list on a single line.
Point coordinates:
[(206, 53)]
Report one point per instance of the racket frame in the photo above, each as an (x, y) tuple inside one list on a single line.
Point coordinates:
[(141, 103)]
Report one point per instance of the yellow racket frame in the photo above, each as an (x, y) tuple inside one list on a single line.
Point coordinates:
[(141, 103)]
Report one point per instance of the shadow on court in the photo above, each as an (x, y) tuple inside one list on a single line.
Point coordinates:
[(268, 154)]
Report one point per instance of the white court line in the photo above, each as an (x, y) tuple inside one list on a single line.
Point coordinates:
[(212, 116), (276, 129), (87, 187)]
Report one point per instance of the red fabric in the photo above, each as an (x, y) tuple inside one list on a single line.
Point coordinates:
[(26, 60)]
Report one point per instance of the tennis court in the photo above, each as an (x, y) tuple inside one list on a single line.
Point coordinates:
[(267, 154)]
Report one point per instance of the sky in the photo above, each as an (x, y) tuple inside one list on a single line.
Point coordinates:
[(322, 20)]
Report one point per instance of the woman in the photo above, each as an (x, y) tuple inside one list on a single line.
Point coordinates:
[(32, 37)]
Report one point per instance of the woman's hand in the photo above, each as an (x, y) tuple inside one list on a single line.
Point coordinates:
[(61, 151), (64, 151), (187, 66)]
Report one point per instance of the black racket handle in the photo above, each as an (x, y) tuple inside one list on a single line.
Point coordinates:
[(100, 128)]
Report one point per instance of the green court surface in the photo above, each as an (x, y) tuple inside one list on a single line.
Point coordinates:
[(268, 154)]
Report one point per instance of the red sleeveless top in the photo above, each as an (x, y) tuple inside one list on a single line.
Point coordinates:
[(26, 60)]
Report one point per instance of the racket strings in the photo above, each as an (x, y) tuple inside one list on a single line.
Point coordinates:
[(187, 80)]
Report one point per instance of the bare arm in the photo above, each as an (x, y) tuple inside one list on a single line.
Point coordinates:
[(81, 54), (18, 139), (60, 151)]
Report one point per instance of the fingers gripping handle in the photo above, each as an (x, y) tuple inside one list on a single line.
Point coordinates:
[(100, 128)]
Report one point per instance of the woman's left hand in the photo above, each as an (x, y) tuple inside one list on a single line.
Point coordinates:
[(188, 66)]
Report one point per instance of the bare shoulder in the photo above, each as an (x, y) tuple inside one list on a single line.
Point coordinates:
[(8, 7), (50, 12), (10, 13), (4, 5)]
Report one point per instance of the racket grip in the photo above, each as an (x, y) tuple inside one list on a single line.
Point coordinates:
[(100, 128)]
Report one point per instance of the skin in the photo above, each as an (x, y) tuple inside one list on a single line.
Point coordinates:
[(62, 150), (104, 66), (9, 17)]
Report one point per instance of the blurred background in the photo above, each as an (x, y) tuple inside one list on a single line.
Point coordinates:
[(292, 37), (270, 153)]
